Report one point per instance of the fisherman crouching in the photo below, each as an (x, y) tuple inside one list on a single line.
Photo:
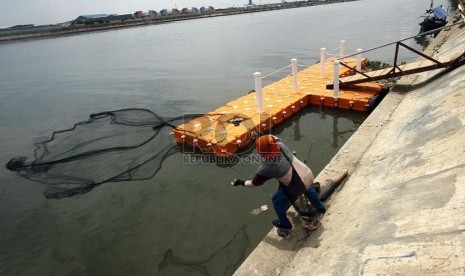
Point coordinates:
[(295, 183)]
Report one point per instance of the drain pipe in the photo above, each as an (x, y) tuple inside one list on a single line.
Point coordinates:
[(333, 184)]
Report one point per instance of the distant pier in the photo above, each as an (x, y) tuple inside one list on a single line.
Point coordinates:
[(30, 32)]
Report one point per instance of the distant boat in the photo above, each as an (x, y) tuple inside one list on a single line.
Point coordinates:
[(434, 18)]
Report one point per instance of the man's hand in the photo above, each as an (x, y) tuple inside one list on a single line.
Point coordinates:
[(237, 182)]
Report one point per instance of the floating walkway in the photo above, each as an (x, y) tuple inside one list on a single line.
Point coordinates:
[(234, 126)]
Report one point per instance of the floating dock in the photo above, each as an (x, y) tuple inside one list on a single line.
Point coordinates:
[(234, 126)]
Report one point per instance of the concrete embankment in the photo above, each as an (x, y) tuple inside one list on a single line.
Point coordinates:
[(402, 209)]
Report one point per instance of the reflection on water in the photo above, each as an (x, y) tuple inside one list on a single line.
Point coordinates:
[(423, 41), (338, 134), (297, 134), (319, 128)]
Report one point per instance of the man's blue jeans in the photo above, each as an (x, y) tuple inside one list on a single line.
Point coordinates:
[(281, 203)]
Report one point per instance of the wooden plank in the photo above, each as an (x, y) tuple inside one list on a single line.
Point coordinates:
[(379, 72), (401, 70), (405, 69)]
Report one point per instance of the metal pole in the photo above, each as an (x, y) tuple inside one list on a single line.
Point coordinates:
[(322, 62), (359, 59), (258, 91), (336, 81), (294, 75)]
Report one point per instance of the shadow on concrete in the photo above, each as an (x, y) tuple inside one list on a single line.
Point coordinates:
[(299, 238)]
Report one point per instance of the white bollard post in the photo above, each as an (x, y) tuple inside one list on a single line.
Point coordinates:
[(258, 91), (294, 75), (336, 81), (322, 62), (359, 59), (342, 49)]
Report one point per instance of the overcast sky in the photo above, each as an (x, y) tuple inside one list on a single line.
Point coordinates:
[(39, 12)]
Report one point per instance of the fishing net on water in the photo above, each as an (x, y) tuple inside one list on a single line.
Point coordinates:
[(222, 262), (112, 146)]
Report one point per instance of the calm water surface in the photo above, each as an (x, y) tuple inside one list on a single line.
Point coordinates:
[(187, 220)]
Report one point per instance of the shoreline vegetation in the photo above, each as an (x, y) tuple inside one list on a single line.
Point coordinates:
[(70, 28)]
